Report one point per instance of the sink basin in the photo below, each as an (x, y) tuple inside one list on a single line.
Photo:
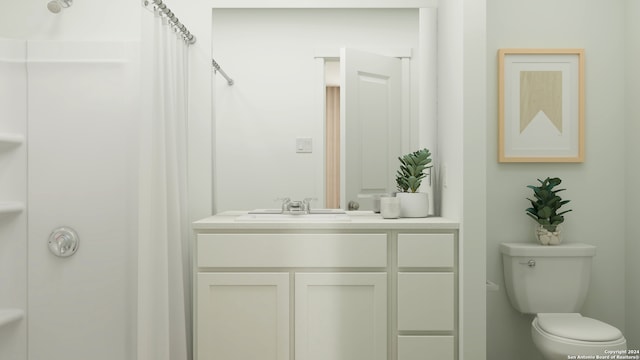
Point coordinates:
[(277, 215)]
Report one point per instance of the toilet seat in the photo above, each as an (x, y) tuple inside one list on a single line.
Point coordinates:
[(574, 326), (555, 347)]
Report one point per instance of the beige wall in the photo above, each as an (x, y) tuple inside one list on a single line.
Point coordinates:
[(597, 187)]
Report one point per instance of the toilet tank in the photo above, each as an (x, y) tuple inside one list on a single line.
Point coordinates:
[(547, 279)]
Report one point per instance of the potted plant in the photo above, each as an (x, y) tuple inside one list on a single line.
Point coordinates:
[(408, 180), (545, 210)]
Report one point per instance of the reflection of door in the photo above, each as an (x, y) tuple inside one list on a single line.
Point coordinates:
[(371, 114)]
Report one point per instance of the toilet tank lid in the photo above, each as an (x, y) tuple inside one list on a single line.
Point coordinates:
[(533, 249), (575, 326)]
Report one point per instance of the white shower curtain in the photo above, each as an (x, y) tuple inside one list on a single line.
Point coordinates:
[(163, 241)]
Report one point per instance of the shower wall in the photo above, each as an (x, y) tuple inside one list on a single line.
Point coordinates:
[(83, 111), (86, 20), (13, 193)]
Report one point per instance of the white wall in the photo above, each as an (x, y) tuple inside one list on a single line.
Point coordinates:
[(632, 12), (461, 144), (596, 187), (277, 94)]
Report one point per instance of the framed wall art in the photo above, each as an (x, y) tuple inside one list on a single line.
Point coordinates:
[(541, 105)]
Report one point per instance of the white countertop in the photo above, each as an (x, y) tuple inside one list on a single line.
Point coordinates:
[(359, 220)]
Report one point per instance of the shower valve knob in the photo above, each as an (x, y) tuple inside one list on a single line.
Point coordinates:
[(63, 241)]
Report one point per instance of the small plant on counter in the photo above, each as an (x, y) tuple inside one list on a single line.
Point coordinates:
[(545, 208), (411, 172)]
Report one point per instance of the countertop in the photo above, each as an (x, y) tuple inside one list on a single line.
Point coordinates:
[(359, 220)]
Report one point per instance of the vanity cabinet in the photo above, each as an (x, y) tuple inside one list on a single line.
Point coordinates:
[(318, 291)]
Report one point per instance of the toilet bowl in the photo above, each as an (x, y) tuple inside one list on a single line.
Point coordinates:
[(551, 282), (558, 335)]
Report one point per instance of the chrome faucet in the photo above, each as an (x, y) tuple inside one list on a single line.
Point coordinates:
[(307, 204), (296, 206), (285, 204)]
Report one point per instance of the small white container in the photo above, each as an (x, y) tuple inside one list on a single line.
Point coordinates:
[(376, 201), (390, 207)]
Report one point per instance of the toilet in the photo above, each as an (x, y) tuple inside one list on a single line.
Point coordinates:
[(551, 282)]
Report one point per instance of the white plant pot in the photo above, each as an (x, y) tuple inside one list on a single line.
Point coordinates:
[(413, 205)]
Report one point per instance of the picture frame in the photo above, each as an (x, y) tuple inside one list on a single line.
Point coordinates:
[(541, 105)]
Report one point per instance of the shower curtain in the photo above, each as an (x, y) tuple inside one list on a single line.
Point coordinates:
[(163, 232)]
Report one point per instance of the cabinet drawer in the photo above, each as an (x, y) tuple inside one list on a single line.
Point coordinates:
[(426, 301), (425, 250), (425, 348), (292, 250)]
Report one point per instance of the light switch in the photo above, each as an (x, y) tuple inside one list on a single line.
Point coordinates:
[(304, 145)]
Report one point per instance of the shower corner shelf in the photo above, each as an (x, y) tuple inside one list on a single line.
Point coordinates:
[(11, 207), (8, 316), (9, 139)]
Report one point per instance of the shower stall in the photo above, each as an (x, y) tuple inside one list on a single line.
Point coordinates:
[(68, 132), (74, 107)]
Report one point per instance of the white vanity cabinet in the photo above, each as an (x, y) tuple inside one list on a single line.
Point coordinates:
[(368, 289)]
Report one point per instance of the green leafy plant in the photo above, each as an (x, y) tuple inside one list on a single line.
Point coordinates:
[(545, 208), (411, 172)]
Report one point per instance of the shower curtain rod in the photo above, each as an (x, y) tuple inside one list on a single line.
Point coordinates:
[(186, 34), (217, 68), (189, 37)]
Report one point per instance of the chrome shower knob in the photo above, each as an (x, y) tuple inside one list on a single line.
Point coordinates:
[(55, 6), (63, 241)]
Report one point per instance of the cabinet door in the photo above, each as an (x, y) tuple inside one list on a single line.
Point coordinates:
[(341, 316), (243, 316)]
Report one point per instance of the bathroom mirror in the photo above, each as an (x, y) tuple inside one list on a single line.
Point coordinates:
[(270, 130)]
